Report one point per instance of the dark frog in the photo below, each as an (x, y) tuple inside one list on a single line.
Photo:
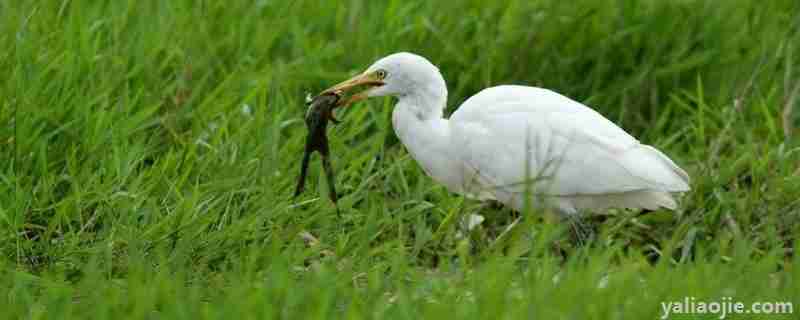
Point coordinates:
[(320, 112)]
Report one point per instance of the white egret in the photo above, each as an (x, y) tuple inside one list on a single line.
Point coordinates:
[(509, 141)]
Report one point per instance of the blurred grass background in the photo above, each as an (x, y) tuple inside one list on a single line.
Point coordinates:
[(150, 148)]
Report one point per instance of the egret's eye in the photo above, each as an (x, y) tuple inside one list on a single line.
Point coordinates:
[(381, 74)]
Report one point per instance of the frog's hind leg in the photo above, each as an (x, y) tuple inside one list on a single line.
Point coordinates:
[(303, 171), (326, 165)]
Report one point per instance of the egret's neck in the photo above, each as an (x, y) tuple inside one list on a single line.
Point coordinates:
[(417, 117), (426, 102), (418, 122)]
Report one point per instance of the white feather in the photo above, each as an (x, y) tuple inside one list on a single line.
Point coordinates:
[(510, 141)]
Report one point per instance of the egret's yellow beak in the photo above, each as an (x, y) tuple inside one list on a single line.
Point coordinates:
[(369, 80)]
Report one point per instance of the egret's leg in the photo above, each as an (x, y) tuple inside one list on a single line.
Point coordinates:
[(582, 230)]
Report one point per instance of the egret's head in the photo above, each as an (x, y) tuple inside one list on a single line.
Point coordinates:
[(397, 74)]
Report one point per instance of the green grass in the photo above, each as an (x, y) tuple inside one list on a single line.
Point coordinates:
[(133, 186)]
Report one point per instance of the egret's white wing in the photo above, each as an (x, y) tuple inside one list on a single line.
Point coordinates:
[(512, 134)]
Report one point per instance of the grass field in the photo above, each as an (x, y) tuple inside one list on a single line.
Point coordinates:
[(150, 151)]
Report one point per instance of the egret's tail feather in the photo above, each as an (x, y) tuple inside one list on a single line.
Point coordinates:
[(662, 174)]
